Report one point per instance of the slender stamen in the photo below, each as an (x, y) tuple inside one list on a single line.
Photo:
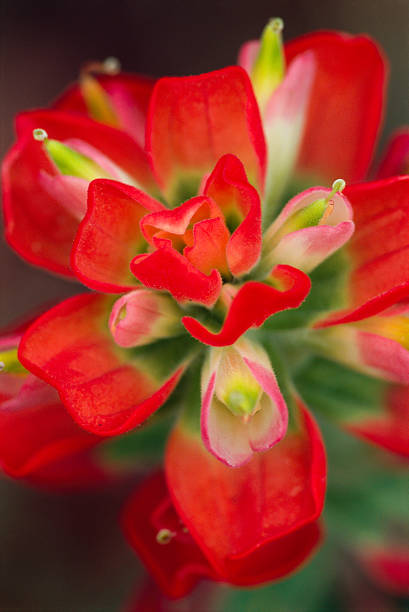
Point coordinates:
[(338, 186), (327, 212)]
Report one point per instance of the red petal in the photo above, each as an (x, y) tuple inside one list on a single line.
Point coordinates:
[(36, 430), (388, 566), (76, 472), (105, 392), (389, 429), (346, 104), (37, 225), (193, 121), (109, 235), (166, 269), (396, 158), (129, 95), (255, 522), (228, 186), (253, 304), (379, 274), (115, 144), (177, 565)]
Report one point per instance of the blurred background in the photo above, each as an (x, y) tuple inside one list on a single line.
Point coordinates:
[(66, 552)]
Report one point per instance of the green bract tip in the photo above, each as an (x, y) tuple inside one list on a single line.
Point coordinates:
[(72, 163), (269, 66), (276, 24)]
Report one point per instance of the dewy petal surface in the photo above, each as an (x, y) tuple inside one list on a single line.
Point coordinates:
[(273, 502), (105, 389), (193, 121)]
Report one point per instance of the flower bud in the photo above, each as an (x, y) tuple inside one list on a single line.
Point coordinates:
[(143, 316), (243, 410), (309, 229)]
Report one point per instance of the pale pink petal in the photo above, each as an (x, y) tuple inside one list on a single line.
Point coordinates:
[(306, 248), (247, 55), (112, 169), (223, 434), (69, 191), (284, 121), (143, 316), (269, 425)]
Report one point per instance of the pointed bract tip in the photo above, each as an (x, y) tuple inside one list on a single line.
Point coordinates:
[(276, 24), (338, 185), (112, 65), (40, 134)]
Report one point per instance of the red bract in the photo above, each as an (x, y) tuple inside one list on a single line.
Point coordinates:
[(379, 269), (273, 502), (164, 545), (120, 100), (39, 441), (105, 391)]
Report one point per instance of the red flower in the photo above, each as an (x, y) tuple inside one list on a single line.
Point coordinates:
[(173, 225)]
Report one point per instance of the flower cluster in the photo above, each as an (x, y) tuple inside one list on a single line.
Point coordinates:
[(241, 268)]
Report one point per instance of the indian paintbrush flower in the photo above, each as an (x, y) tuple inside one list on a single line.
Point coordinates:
[(226, 258)]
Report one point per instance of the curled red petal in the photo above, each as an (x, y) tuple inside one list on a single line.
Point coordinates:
[(166, 269), (105, 392), (346, 105), (228, 186), (256, 522), (253, 304), (193, 121), (109, 235)]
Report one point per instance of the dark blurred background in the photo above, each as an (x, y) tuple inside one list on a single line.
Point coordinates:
[(66, 553)]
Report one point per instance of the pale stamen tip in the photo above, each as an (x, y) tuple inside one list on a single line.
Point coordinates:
[(2, 366), (164, 536), (112, 65), (276, 24), (40, 134), (338, 185)]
